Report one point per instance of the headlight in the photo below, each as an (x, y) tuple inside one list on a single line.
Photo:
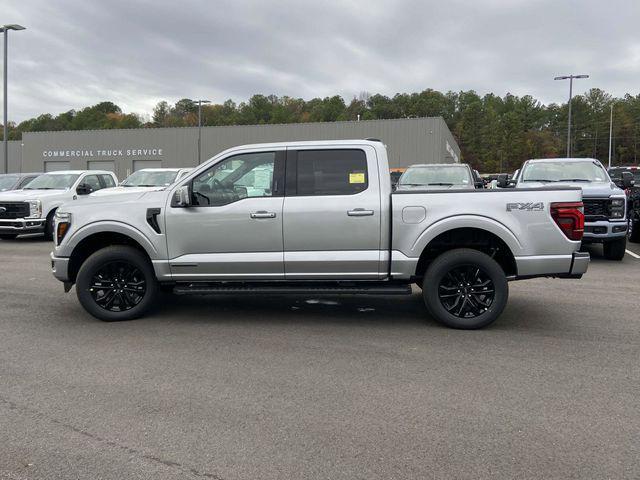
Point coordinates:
[(35, 209), (617, 207), (63, 223)]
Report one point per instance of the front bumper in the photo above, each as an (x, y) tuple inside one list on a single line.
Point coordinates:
[(603, 231), (22, 225), (60, 268)]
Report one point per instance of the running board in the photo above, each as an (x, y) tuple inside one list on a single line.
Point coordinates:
[(290, 289)]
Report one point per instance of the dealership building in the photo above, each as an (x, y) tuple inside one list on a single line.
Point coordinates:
[(409, 141)]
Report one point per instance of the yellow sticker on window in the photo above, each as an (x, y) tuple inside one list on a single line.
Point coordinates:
[(356, 178)]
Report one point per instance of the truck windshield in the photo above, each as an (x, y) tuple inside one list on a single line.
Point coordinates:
[(7, 182), (53, 181), (617, 173), (561, 171), (148, 178), (437, 175)]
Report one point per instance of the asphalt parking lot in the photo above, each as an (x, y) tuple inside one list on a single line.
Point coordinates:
[(339, 388)]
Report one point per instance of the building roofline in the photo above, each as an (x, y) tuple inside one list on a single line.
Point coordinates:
[(255, 125)]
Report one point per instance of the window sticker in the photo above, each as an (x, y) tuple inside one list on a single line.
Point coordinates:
[(356, 178)]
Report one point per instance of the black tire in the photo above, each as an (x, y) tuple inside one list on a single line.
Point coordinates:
[(8, 236), (50, 225), (480, 304), (122, 271), (615, 250), (633, 232)]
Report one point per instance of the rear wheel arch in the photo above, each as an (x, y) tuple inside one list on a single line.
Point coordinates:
[(471, 238)]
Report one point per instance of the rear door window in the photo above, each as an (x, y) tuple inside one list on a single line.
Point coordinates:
[(331, 172)]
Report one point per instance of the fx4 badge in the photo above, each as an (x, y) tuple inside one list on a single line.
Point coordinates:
[(527, 207)]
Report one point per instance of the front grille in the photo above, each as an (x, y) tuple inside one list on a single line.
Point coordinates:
[(14, 210), (596, 209)]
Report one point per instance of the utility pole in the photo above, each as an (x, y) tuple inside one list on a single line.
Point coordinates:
[(5, 139), (610, 133), (570, 78), (200, 102)]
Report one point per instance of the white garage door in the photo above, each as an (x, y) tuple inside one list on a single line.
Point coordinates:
[(140, 164), (109, 166), (56, 166)]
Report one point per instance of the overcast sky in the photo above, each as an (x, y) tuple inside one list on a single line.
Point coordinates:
[(76, 53)]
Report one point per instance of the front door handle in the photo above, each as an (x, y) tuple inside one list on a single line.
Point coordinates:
[(263, 214), (360, 212)]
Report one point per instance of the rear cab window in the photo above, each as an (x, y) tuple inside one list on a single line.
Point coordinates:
[(329, 172)]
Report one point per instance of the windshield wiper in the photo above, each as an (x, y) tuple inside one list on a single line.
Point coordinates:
[(574, 180), (539, 180), (441, 183)]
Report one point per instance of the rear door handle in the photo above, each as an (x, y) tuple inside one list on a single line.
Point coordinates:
[(263, 214), (360, 212)]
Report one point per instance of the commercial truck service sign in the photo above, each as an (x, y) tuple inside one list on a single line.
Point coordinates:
[(114, 153)]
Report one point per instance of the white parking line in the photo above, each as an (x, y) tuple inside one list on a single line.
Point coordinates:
[(634, 255)]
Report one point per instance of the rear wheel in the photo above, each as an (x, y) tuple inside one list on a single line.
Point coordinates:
[(465, 289), (615, 250), (49, 226), (8, 236), (633, 232), (117, 283)]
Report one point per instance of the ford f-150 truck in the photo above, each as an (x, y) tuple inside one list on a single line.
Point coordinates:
[(315, 218), (604, 202), (32, 209)]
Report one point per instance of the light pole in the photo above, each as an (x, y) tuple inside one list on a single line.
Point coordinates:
[(200, 102), (570, 77), (5, 140), (610, 133)]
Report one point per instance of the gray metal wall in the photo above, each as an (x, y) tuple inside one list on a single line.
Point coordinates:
[(15, 156), (409, 141)]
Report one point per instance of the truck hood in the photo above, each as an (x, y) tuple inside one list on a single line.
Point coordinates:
[(121, 190), (26, 195), (117, 200), (589, 190), (400, 187)]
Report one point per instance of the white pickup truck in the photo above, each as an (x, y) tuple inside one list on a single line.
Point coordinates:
[(31, 210), (315, 218)]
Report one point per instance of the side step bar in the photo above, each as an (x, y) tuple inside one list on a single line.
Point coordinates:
[(197, 288)]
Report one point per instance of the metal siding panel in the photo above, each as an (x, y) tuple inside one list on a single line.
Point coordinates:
[(409, 141)]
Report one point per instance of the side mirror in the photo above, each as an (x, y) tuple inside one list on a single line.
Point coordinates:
[(84, 189), (503, 181), (181, 197), (627, 180), (479, 184)]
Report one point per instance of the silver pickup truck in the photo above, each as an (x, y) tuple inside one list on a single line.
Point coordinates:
[(315, 218)]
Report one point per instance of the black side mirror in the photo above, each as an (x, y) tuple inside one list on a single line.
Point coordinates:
[(479, 184), (503, 181), (84, 189), (627, 180)]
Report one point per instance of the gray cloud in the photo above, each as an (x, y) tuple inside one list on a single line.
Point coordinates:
[(135, 53)]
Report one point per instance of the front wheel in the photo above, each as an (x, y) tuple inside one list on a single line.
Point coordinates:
[(117, 283), (465, 289), (615, 250)]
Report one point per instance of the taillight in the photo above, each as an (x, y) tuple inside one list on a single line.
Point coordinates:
[(569, 216)]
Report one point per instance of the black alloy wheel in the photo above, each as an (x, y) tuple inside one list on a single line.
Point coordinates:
[(466, 291), (118, 286), (117, 283), (465, 288)]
